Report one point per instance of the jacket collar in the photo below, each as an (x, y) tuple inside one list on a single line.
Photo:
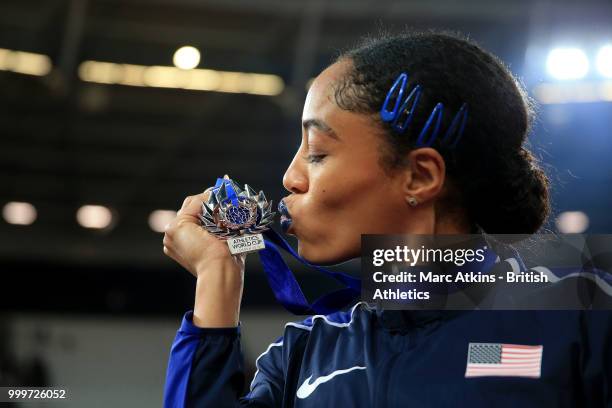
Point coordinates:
[(406, 320)]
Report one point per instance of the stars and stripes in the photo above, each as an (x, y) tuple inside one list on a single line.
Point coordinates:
[(503, 360)]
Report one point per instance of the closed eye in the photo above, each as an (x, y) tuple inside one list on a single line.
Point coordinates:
[(315, 158)]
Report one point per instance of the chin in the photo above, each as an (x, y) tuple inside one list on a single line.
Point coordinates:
[(318, 255)]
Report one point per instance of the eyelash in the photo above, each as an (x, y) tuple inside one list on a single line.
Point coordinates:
[(315, 158)]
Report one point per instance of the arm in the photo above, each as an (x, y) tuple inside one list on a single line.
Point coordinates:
[(206, 370), (206, 365)]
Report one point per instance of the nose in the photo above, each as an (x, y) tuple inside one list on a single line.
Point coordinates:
[(295, 179)]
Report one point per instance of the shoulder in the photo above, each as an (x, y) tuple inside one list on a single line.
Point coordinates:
[(340, 319), (273, 363), (296, 333)]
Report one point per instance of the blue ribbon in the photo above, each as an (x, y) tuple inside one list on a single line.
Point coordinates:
[(229, 188), (285, 287)]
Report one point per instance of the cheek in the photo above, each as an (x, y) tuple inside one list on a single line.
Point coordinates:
[(331, 194), (344, 196), (350, 186)]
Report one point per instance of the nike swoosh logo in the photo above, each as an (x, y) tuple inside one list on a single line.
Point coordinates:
[(308, 387)]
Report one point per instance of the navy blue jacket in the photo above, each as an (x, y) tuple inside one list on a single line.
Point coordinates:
[(382, 358)]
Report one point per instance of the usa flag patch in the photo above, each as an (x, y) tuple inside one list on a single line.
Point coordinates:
[(503, 360)]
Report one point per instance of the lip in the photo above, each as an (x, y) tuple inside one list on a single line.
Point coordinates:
[(282, 208), (285, 220)]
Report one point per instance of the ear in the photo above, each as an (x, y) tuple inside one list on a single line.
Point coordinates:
[(427, 174)]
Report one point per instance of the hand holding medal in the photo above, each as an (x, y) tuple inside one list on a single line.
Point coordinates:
[(236, 215), (195, 239), (226, 212)]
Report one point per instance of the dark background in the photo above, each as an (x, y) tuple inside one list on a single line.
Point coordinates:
[(67, 142)]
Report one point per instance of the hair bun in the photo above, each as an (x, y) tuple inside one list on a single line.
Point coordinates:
[(518, 206)]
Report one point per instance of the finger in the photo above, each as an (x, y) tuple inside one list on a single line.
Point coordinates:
[(185, 219), (186, 202), (193, 204), (167, 241), (189, 199), (177, 226), (177, 258), (174, 228), (172, 255), (188, 228), (240, 258), (170, 228)]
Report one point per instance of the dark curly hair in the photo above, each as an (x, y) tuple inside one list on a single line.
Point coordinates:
[(491, 176)]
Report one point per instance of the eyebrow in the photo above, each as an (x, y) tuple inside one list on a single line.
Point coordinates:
[(321, 126)]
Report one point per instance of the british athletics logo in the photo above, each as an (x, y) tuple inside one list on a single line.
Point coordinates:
[(503, 360)]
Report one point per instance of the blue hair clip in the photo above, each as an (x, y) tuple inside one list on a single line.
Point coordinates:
[(413, 97), (400, 85), (457, 126), (407, 108), (436, 115)]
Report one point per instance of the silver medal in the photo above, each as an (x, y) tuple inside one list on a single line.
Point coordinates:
[(238, 216)]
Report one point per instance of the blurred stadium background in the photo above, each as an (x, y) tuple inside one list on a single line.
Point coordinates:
[(111, 112)]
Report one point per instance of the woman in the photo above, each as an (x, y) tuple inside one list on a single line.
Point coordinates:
[(356, 172)]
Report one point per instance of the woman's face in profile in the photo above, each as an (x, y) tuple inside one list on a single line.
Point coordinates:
[(338, 188)]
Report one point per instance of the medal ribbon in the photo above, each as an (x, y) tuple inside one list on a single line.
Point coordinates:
[(281, 279)]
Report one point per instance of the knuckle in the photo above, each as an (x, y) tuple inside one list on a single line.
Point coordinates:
[(180, 224), (187, 200), (182, 220), (206, 193)]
